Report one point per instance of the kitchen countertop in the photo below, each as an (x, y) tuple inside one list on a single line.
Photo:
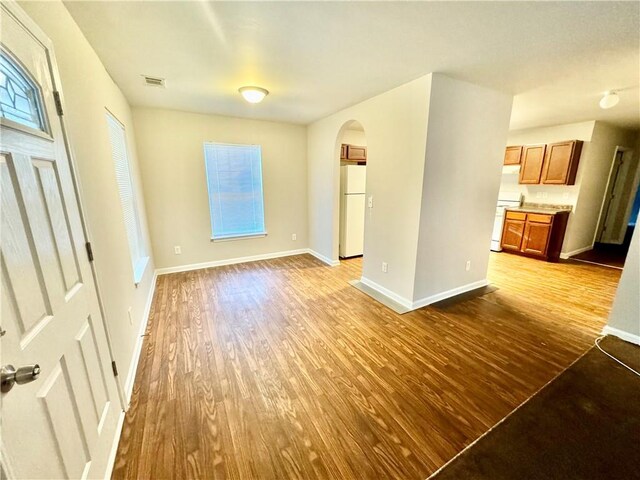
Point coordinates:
[(541, 208)]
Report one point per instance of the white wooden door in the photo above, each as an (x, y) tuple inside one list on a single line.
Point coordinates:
[(612, 224), (61, 425)]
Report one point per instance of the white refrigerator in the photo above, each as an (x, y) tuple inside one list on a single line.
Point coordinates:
[(352, 210)]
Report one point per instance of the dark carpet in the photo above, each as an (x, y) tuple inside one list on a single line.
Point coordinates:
[(584, 425), (608, 256)]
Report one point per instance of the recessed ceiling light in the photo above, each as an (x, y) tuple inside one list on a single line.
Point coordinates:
[(609, 100), (253, 94)]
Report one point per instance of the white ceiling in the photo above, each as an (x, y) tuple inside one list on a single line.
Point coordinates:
[(319, 57)]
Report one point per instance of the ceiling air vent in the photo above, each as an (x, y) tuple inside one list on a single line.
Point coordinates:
[(153, 81)]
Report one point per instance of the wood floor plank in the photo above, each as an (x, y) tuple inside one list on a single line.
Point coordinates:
[(280, 369)]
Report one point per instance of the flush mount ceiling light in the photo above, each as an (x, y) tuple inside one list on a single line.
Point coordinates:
[(609, 100), (253, 94)]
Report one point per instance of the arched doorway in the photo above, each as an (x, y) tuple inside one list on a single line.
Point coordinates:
[(352, 159)]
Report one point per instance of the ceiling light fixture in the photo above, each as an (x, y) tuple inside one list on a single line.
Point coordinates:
[(609, 100), (253, 94)]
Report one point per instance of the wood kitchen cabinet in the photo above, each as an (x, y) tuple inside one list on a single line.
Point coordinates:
[(513, 155), (532, 161), (343, 152), (561, 163), (552, 164), (353, 153), (537, 232), (513, 231), (534, 234)]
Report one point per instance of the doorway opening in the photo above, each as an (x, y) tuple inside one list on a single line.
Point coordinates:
[(353, 175), (617, 219)]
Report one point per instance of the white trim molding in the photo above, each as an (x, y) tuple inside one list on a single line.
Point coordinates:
[(137, 350), (626, 336), (399, 299), (322, 258), (111, 461), (230, 261), (567, 255), (423, 302), (131, 377)]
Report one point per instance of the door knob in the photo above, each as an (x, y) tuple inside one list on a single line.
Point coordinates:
[(9, 376)]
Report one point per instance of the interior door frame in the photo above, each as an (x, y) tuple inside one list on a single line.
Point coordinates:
[(604, 207), (34, 29)]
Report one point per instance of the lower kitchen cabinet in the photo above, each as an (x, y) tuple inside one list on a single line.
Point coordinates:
[(536, 238), (513, 231), (534, 234)]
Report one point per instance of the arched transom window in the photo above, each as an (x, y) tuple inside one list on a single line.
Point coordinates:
[(20, 99)]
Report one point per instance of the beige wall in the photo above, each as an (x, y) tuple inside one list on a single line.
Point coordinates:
[(88, 91), (549, 194), (595, 177), (625, 313), (631, 185), (354, 137), (395, 127), (422, 175), (600, 141), (170, 146), (466, 134)]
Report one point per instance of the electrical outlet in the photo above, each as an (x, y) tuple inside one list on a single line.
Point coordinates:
[(385, 267), (468, 265), (177, 250), (539, 195), (130, 317), (294, 236), (370, 201), (545, 195)]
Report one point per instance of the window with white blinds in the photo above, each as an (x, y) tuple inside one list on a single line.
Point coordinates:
[(139, 256), (234, 180)]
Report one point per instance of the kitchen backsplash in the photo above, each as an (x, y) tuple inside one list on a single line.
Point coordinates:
[(540, 194), (547, 205)]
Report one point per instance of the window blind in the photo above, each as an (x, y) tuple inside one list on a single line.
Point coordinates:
[(127, 196), (234, 181)]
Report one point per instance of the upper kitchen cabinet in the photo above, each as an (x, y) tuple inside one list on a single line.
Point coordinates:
[(354, 153), (357, 153), (532, 161), (513, 155), (561, 163)]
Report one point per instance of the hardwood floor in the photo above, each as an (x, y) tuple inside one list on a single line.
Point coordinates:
[(280, 369)]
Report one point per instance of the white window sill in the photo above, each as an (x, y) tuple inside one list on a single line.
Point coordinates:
[(238, 237), (138, 271)]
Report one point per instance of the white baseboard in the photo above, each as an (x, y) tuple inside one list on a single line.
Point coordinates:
[(322, 258), (114, 447), (133, 366), (131, 376), (565, 256), (230, 261), (423, 302), (626, 336), (405, 302)]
